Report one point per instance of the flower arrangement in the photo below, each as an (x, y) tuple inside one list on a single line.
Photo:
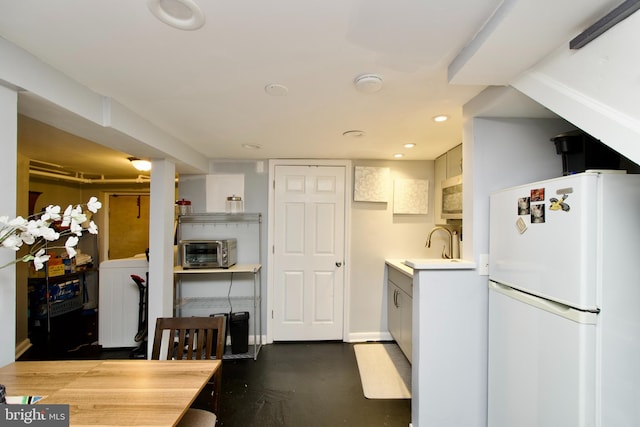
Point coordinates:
[(36, 230)]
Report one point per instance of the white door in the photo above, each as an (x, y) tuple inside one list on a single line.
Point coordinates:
[(309, 214)]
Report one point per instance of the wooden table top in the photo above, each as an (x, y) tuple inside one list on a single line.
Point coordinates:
[(113, 392)]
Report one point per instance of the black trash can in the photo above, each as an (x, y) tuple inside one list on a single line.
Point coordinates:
[(226, 328), (239, 331)]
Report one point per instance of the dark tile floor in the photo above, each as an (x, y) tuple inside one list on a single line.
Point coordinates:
[(310, 384), (303, 384)]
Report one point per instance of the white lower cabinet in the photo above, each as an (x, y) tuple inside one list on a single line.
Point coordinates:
[(399, 309)]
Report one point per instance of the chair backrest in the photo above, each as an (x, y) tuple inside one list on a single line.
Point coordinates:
[(190, 337)]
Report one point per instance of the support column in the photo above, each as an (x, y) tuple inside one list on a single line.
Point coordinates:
[(8, 166), (161, 226)]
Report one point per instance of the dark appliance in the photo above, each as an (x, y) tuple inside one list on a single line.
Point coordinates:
[(239, 331)]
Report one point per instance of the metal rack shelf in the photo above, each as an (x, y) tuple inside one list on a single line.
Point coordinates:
[(216, 217), (210, 225), (206, 303)]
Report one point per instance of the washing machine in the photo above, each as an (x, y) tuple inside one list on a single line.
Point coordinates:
[(119, 299)]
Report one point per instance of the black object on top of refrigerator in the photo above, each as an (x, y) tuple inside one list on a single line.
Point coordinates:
[(581, 152)]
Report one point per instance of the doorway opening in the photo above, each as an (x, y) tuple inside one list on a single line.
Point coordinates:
[(128, 225)]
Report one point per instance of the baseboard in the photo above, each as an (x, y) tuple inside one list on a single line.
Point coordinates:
[(251, 340), (369, 336), (22, 347), (351, 338)]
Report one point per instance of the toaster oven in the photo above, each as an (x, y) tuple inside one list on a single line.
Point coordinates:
[(221, 253)]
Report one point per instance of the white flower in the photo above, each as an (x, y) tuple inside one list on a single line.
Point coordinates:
[(76, 228), (73, 217), (39, 259), (49, 234), (12, 242), (33, 227), (93, 204), (36, 231), (51, 213), (93, 228), (66, 216), (27, 238), (70, 244), (19, 223)]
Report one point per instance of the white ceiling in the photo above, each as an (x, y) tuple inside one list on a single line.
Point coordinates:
[(206, 87)]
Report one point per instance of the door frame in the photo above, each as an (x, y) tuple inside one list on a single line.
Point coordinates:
[(347, 236)]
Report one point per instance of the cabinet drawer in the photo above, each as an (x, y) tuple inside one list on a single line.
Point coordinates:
[(401, 280)]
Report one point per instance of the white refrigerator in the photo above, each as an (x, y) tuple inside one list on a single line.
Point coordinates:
[(564, 302)]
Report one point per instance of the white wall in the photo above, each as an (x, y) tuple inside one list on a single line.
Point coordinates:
[(503, 153), (596, 88), (498, 153), (377, 234), (8, 162)]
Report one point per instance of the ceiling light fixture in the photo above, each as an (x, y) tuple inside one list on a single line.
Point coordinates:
[(354, 133), (368, 83), (180, 14), (409, 145), (251, 146), (398, 155), (441, 118), (275, 89), (141, 165)]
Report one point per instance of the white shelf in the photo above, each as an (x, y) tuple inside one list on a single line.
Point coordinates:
[(238, 268)]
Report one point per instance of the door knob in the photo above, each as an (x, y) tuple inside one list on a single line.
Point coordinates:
[(338, 264)]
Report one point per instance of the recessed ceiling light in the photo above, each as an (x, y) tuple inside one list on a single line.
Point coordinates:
[(398, 155), (368, 83), (409, 145), (275, 89), (354, 133), (441, 118), (251, 146), (180, 14)]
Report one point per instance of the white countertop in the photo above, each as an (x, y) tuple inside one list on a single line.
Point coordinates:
[(399, 265), (407, 266), (439, 264)]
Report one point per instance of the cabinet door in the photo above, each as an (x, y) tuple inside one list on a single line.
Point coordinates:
[(440, 174), (393, 312), (404, 302), (454, 161)]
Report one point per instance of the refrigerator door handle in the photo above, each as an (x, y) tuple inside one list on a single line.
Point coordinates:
[(563, 310)]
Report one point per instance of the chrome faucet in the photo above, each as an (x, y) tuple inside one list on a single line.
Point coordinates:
[(445, 254)]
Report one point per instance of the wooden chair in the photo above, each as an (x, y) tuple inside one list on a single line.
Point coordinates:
[(193, 338)]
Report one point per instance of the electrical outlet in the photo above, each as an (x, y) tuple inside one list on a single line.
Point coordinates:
[(483, 265)]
